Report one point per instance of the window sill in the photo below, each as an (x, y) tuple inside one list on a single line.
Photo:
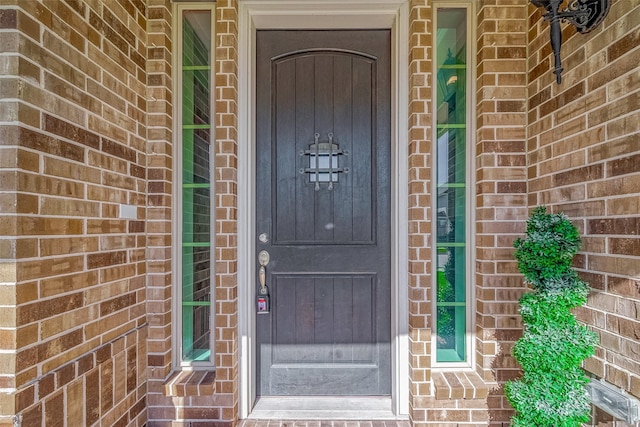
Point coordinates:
[(190, 383), (459, 385)]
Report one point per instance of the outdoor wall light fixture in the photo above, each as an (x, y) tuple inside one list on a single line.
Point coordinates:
[(585, 15)]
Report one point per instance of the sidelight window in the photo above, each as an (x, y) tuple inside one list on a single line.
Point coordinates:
[(451, 199), (194, 188)]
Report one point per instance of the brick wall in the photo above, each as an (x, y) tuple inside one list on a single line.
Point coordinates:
[(72, 150), (584, 152)]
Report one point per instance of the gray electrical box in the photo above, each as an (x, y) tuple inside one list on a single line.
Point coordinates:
[(614, 401)]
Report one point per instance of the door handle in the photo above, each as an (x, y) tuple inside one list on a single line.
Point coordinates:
[(263, 277), (263, 260), (262, 299)]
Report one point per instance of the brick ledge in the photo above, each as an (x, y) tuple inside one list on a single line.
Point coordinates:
[(190, 383), (459, 385)]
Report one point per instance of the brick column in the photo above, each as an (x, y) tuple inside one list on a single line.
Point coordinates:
[(226, 164), (14, 161), (420, 148), (501, 189), (160, 164)]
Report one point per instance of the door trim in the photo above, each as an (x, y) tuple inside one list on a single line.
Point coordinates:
[(324, 14)]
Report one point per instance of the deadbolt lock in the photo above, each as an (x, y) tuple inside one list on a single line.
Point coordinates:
[(263, 258)]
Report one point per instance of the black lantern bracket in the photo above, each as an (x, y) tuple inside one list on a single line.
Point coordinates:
[(585, 15)]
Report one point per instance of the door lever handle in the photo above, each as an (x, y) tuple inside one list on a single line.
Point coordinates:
[(263, 277), (263, 259)]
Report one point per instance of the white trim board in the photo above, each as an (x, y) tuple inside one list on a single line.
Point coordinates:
[(323, 14)]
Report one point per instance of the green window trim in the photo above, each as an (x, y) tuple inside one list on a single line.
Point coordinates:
[(450, 245), (190, 127), (196, 68), (452, 126), (196, 245), (451, 186), (196, 185), (194, 339), (196, 303)]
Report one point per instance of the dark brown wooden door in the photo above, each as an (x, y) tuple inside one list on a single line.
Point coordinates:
[(323, 210)]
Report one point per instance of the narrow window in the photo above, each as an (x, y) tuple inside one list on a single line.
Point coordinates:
[(452, 193), (195, 269)]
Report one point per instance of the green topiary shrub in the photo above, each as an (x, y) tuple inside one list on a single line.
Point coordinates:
[(552, 391)]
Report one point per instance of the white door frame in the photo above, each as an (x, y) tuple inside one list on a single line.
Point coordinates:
[(323, 14)]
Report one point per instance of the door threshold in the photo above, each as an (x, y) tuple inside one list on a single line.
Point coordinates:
[(323, 408)]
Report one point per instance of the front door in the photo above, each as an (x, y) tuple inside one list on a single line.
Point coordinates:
[(323, 212)]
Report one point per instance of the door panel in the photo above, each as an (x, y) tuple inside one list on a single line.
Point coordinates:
[(323, 195), (347, 213), (319, 310)]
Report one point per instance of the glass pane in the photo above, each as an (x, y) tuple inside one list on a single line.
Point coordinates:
[(196, 88), (451, 51), (451, 303), (451, 172), (196, 216), (450, 343), (196, 167), (323, 165), (452, 211), (196, 302), (196, 345), (196, 279), (452, 155), (197, 273), (196, 38), (451, 273)]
